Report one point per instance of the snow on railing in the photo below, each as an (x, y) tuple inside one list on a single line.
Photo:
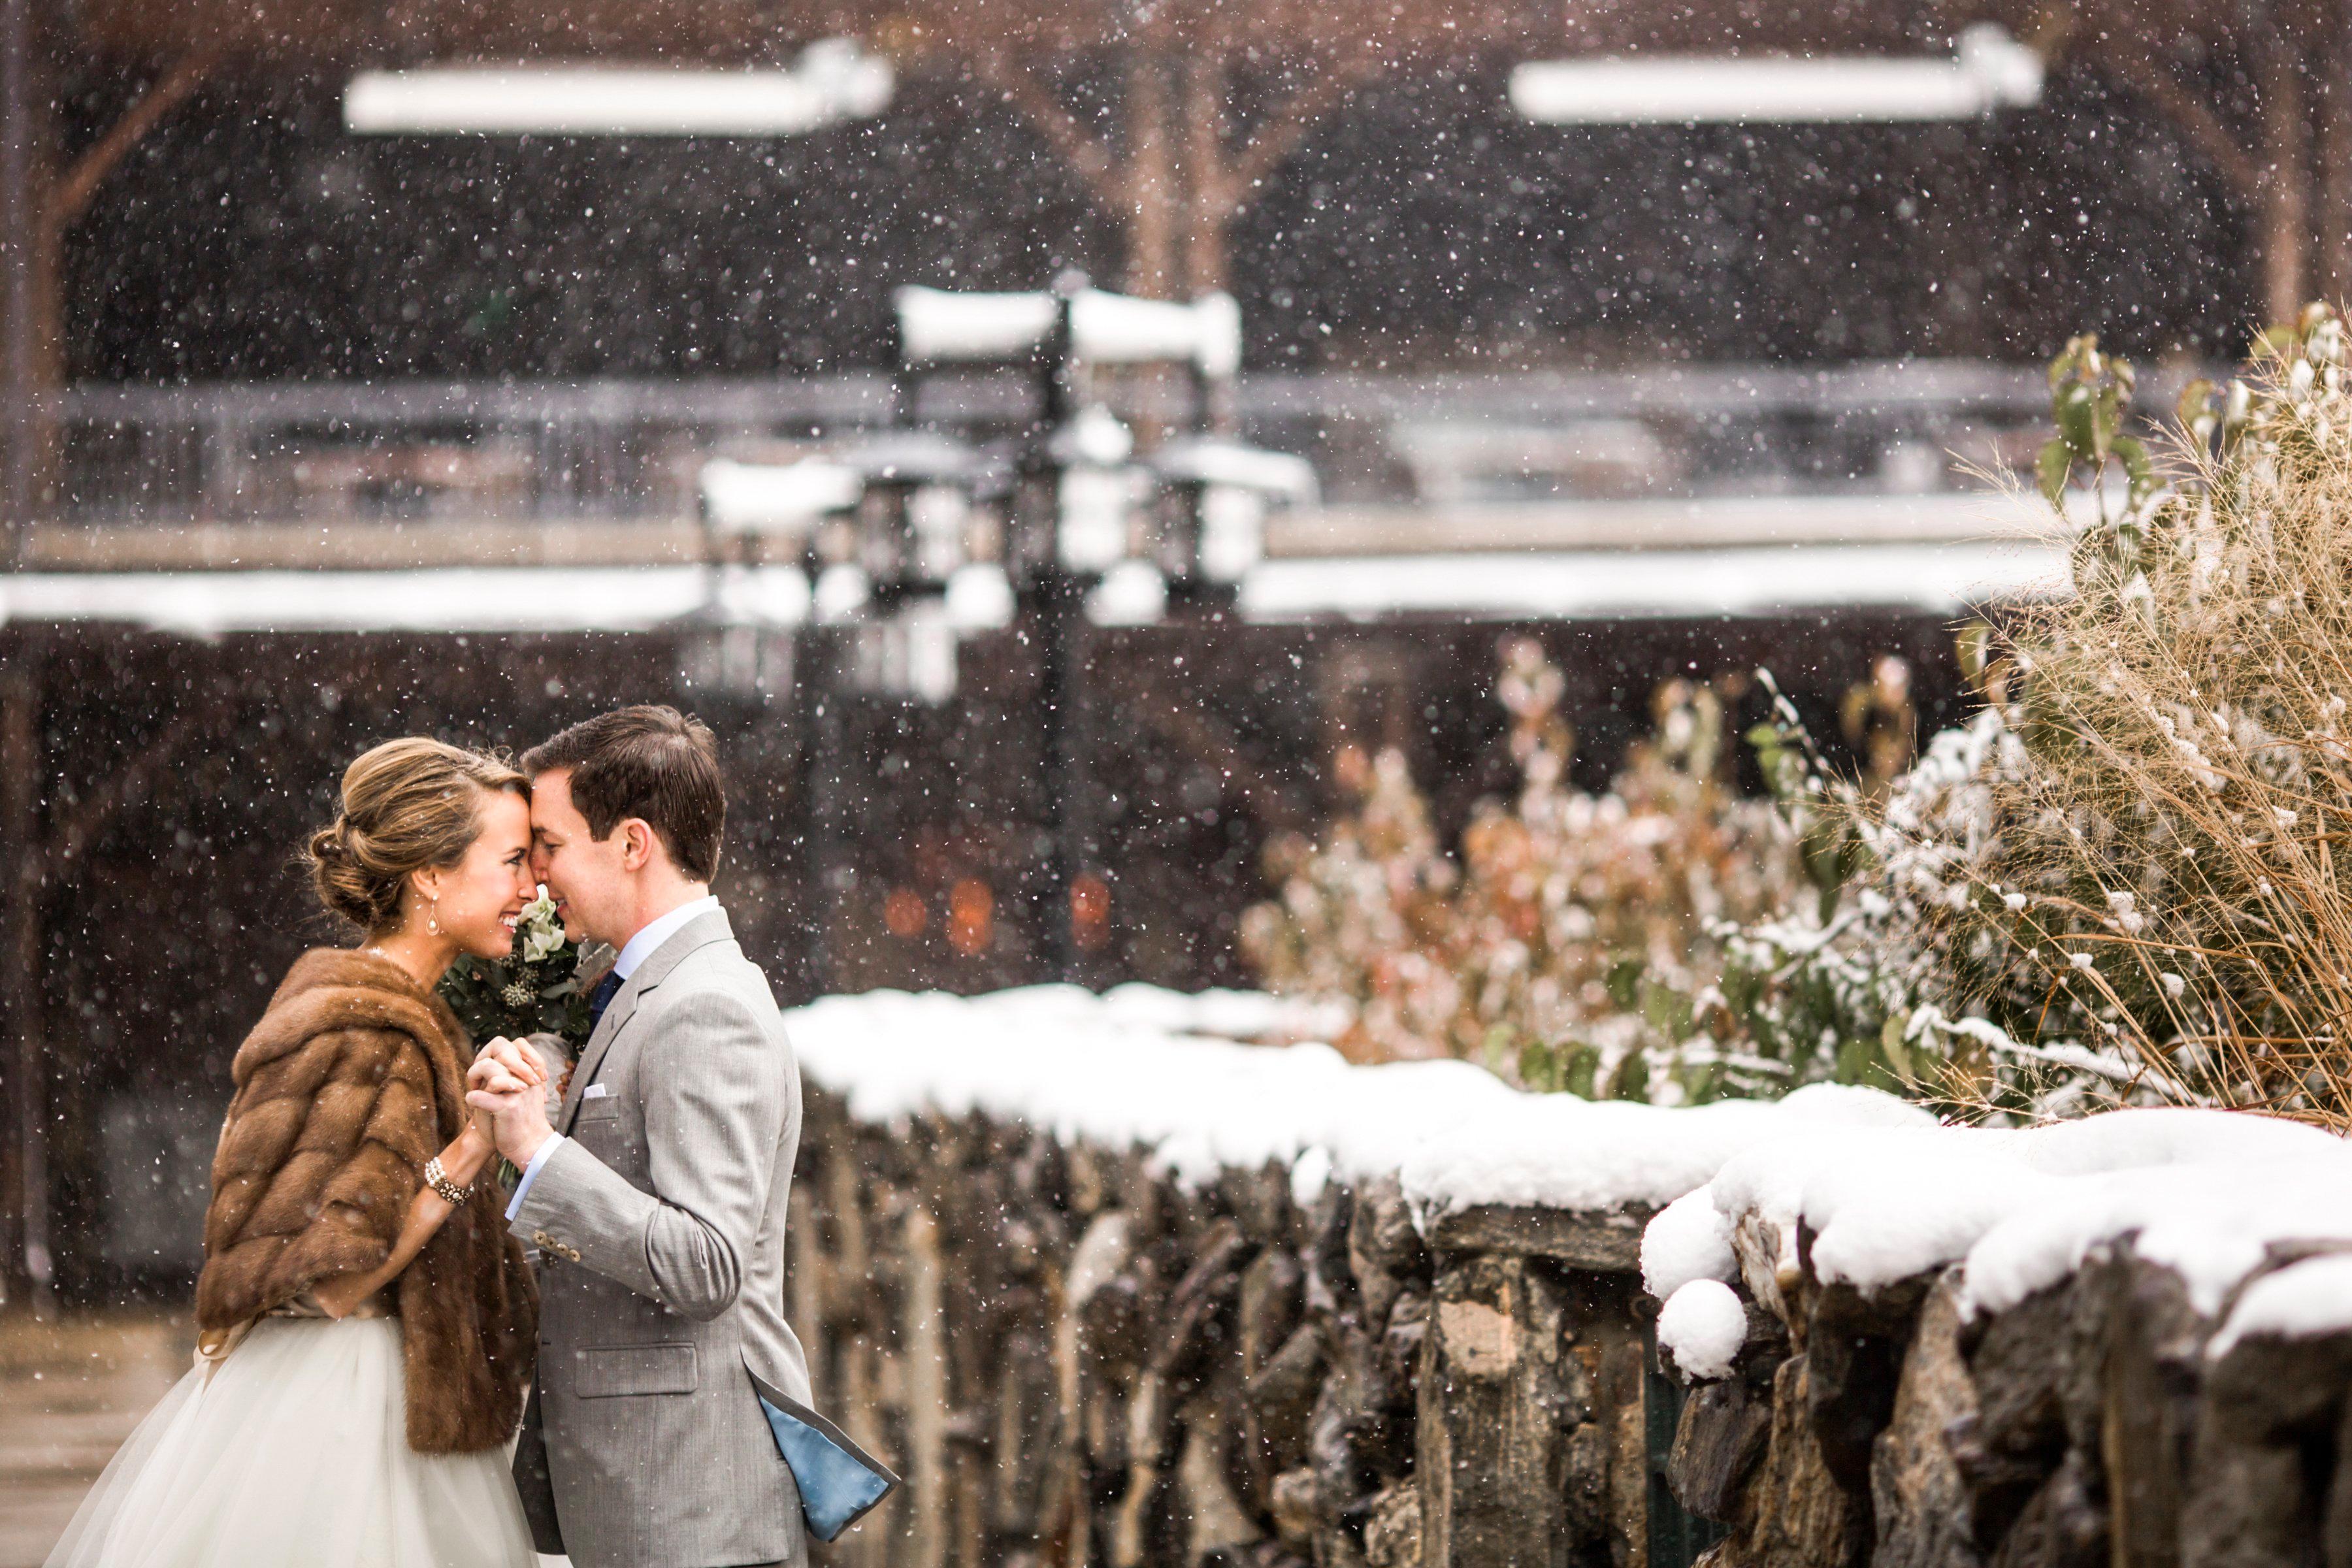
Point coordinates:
[(1887, 1193), (1140, 1066)]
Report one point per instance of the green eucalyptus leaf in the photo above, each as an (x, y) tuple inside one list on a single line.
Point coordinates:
[(2137, 468), (2077, 414), (2051, 469), (1583, 1065), (1892, 1046)]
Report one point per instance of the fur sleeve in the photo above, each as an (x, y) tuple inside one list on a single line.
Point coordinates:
[(322, 1153)]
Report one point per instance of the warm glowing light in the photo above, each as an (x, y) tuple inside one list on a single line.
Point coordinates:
[(832, 82), (903, 913), (972, 917), (1089, 911)]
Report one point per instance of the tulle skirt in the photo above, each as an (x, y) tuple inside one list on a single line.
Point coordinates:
[(296, 1455)]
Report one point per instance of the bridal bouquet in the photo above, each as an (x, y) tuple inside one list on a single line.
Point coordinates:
[(535, 990), (534, 996)]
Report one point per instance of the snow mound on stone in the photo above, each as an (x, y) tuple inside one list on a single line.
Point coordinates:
[(1701, 1326), (2300, 1301), (1143, 1067), (2206, 1192), (1690, 1239)]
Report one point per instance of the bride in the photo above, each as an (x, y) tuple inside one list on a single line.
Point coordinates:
[(367, 1324)]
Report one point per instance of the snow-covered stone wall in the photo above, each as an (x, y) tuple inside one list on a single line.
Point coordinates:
[(2126, 1339), (1121, 1280)]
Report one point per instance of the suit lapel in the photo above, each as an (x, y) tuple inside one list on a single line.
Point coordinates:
[(617, 1013), (699, 932)]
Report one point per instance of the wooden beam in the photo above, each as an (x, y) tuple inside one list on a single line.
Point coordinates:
[(71, 196), (20, 229), (21, 769), (77, 826), (1086, 154), (1208, 247), (1225, 181), (1150, 201), (1283, 131), (2286, 215)]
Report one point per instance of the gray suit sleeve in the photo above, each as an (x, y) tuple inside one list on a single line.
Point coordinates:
[(715, 1104)]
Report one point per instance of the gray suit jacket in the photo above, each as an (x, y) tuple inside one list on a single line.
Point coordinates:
[(660, 1228)]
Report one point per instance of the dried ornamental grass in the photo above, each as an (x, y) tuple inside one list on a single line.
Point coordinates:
[(2182, 824)]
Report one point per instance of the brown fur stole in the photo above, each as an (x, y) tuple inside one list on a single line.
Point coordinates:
[(350, 1082)]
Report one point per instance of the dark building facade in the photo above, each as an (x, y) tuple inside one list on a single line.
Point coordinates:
[(1421, 225)]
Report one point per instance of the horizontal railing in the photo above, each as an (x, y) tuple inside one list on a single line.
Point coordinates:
[(520, 451)]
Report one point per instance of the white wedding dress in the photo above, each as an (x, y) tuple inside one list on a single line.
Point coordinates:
[(293, 1453)]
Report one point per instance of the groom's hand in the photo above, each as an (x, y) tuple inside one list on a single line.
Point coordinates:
[(495, 1072), (506, 1067), (518, 1106)]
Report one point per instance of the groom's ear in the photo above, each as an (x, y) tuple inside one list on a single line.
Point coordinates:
[(638, 843)]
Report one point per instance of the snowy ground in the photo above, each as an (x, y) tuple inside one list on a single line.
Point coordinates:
[(69, 1394)]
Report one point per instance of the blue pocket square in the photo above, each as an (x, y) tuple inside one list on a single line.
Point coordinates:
[(839, 1481)]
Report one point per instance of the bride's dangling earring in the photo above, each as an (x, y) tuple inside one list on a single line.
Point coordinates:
[(432, 915)]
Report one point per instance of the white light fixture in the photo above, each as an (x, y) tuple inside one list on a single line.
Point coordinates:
[(940, 326), (1215, 498), (1117, 328), (768, 497), (833, 81), (1990, 70)]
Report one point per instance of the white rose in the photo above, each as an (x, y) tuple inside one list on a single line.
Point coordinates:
[(542, 933)]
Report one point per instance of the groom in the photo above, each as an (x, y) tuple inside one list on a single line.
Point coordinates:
[(657, 1200)]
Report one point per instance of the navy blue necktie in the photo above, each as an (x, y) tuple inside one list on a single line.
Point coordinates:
[(601, 998)]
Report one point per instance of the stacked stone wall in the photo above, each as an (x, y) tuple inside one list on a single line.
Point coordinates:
[(2099, 1421), (1076, 1358)]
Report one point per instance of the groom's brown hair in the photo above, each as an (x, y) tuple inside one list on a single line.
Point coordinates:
[(652, 763)]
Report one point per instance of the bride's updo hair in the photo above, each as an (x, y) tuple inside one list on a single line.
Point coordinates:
[(407, 805)]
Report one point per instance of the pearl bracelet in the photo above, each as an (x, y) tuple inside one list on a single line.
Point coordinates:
[(439, 1180)]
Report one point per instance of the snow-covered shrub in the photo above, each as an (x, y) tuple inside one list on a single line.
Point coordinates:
[(2117, 884), (1893, 976), (2114, 884), (2192, 764), (1567, 942)]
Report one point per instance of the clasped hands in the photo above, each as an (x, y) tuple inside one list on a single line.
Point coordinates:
[(507, 1084)]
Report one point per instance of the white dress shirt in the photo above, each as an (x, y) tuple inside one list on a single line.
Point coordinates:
[(633, 952)]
